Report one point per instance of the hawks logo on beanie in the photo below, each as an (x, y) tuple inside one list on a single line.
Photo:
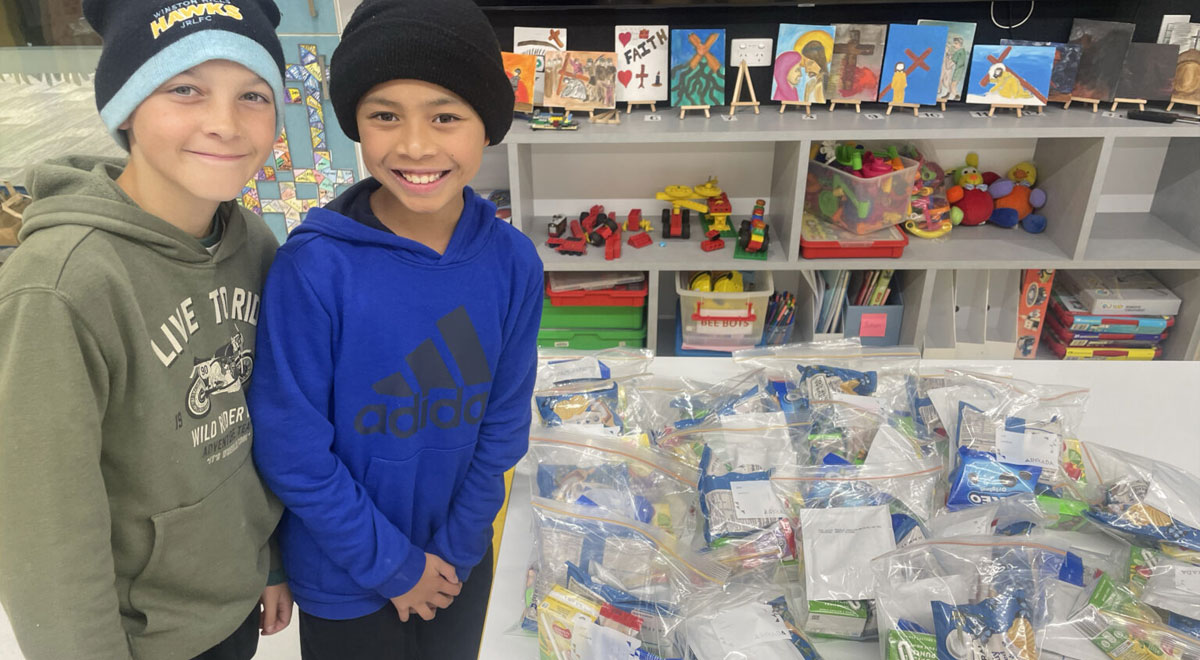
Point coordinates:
[(147, 42), (449, 43)]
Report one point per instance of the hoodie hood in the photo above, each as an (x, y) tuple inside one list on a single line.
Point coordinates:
[(472, 233), (82, 191)]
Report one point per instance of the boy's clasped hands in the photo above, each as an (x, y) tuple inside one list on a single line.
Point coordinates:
[(436, 589)]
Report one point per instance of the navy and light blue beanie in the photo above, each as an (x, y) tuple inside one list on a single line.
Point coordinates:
[(147, 42)]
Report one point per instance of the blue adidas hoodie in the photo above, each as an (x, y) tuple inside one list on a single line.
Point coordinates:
[(390, 394)]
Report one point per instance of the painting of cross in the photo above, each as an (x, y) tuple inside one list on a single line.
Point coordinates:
[(852, 49), (856, 62), (993, 59), (642, 77), (702, 52)]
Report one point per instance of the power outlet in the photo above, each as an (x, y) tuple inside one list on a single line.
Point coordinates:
[(756, 52)]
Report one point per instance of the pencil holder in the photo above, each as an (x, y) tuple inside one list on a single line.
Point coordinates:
[(777, 335)]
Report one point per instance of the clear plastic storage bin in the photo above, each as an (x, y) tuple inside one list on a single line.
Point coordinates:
[(856, 204), (724, 321)]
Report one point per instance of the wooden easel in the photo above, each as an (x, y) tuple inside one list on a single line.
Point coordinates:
[(784, 105), (1095, 103), (684, 108), (833, 103), (1175, 99), (914, 107), (1141, 103), (942, 103), (1018, 108), (629, 106), (612, 116), (744, 75)]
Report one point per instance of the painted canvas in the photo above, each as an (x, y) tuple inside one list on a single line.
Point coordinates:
[(1148, 72), (959, 38), (857, 61), (1066, 65), (538, 42), (312, 160), (521, 71), (581, 80), (912, 64), (1103, 45), (1010, 75), (1187, 77), (803, 54), (697, 67), (642, 62)]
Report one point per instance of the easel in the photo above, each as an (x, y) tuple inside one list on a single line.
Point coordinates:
[(1018, 108), (1095, 103), (744, 74), (784, 105), (914, 107), (1176, 99), (610, 116), (833, 103), (942, 103), (684, 108), (629, 106), (1141, 103)]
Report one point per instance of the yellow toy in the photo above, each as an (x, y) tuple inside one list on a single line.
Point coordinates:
[(706, 198), (721, 281)]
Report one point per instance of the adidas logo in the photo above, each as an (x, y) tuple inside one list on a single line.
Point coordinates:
[(438, 398)]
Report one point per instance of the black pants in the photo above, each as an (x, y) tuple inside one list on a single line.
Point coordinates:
[(241, 645), (453, 634)]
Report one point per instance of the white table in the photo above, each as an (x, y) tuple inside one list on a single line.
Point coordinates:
[(1151, 408)]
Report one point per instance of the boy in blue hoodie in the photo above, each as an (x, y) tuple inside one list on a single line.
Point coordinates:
[(397, 348)]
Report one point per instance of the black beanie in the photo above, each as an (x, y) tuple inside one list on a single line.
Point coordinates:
[(445, 42), (147, 42)]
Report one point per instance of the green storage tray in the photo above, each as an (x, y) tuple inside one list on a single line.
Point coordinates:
[(589, 339), (560, 316)]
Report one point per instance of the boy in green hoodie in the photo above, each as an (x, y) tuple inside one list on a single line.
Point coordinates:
[(132, 521)]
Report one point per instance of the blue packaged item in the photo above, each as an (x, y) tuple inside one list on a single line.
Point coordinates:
[(996, 628), (980, 478), (1183, 624), (581, 403), (846, 381), (717, 504)]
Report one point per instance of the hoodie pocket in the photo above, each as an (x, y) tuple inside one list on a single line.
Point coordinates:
[(415, 493), (210, 559)]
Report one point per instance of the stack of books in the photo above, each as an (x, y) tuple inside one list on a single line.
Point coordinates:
[(1109, 315), (838, 288)]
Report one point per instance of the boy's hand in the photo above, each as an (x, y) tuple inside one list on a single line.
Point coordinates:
[(276, 612), (437, 588)]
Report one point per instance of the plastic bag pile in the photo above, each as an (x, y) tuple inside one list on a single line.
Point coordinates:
[(837, 491)]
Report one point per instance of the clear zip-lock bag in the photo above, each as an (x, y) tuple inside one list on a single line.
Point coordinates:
[(749, 619)]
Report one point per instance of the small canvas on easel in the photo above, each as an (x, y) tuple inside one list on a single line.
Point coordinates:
[(1066, 66), (521, 71), (581, 80), (697, 68), (912, 65), (642, 63), (539, 41), (803, 54), (1187, 80), (1103, 45), (1147, 74), (959, 38), (1010, 76), (857, 60)]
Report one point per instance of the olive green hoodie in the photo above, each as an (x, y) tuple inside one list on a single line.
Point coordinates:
[(132, 521)]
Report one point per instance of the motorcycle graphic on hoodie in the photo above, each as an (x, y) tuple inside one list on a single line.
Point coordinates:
[(228, 370)]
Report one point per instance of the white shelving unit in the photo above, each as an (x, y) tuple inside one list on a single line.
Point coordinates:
[(1122, 194)]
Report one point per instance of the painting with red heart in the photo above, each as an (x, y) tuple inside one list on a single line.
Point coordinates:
[(642, 62)]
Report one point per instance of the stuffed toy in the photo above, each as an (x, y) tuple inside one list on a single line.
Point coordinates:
[(969, 193), (1016, 199)]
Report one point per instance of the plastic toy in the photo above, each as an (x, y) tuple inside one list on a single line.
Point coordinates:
[(720, 281), (683, 199), (557, 226), (612, 247), (640, 240), (603, 228), (969, 193), (930, 215), (1016, 199), (754, 236), (577, 230), (635, 220), (552, 121), (712, 244), (573, 246)]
